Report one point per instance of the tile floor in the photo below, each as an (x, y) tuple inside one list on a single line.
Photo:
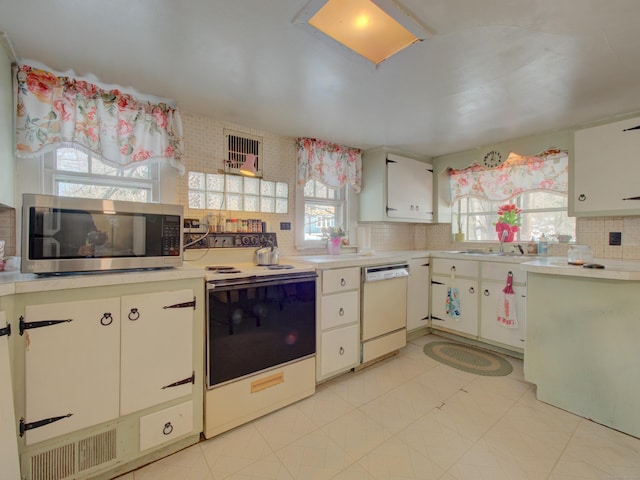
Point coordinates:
[(410, 417)]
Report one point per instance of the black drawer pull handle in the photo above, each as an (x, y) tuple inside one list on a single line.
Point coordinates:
[(341, 312), (343, 282), (341, 351), (134, 314), (472, 290), (106, 319), (582, 197), (486, 293), (168, 428)]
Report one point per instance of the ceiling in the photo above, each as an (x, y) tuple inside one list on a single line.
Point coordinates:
[(492, 71)]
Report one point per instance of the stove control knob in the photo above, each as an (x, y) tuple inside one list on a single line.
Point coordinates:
[(245, 240), (254, 240)]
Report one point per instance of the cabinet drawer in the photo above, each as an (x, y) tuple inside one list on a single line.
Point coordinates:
[(498, 271), (467, 268), (339, 309), (340, 279), (166, 425), (339, 350)]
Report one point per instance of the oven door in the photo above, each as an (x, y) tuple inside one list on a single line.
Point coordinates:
[(258, 323)]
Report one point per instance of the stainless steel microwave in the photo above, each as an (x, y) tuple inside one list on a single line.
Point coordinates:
[(64, 234)]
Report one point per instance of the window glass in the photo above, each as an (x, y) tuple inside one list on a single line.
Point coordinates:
[(75, 173), (236, 193), (323, 207), (542, 213)]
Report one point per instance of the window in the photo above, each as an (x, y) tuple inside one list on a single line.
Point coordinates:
[(542, 213), (219, 191), (71, 172), (538, 185), (323, 207)]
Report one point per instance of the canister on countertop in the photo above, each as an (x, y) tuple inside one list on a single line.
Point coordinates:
[(543, 245)]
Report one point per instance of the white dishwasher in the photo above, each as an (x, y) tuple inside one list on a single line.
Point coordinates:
[(384, 310)]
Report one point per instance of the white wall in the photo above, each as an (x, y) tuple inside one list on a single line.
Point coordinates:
[(7, 160)]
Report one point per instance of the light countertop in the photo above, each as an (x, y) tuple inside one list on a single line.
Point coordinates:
[(614, 269), (16, 282), (359, 259)]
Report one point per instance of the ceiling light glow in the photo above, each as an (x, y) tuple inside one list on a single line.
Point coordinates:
[(375, 29)]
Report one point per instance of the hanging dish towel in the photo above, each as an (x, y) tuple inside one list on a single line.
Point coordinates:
[(507, 305), (453, 298)]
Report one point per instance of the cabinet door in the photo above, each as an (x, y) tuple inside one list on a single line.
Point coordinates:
[(606, 169), (71, 366), (468, 320), (409, 189), (157, 349), (418, 293), (339, 350), (489, 328), (9, 458)]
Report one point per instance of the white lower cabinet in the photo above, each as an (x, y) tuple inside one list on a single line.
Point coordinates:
[(467, 321), (492, 284), (91, 361), (458, 277), (156, 349), (480, 287), (339, 349), (72, 366), (418, 294), (338, 326), (490, 329)]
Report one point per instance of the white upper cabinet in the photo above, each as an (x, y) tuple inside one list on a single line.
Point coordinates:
[(606, 168), (395, 189)]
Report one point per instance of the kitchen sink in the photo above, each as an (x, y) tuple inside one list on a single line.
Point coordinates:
[(491, 253)]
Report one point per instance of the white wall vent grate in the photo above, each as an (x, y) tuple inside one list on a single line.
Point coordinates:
[(54, 464), (67, 461), (96, 450), (236, 148)]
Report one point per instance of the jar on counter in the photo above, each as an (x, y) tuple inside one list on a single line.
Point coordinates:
[(579, 255)]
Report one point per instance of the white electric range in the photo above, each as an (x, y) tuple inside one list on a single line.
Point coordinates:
[(261, 330)]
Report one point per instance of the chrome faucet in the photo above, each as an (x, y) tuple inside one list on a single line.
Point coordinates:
[(502, 237)]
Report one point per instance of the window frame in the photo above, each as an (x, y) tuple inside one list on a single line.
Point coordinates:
[(51, 176)]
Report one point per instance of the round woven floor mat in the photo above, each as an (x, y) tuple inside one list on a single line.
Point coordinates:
[(468, 359)]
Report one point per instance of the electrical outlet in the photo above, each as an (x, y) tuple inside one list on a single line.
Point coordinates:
[(615, 238), (285, 225)]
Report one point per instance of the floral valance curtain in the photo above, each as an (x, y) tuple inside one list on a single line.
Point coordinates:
[(54, 110), (331, 164), (547, 171)]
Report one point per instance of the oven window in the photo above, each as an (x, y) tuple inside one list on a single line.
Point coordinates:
[(255, 327)]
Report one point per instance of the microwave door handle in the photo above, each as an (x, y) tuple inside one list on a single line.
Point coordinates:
[(51, 223), (50, 247)]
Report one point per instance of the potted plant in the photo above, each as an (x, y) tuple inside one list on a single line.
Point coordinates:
[(508, 221), (335, 237)]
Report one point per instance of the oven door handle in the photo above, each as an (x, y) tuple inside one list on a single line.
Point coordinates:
[(262, 281)]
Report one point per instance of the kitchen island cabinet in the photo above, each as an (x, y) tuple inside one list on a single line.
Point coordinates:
[(582, 342), (121, 364)]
